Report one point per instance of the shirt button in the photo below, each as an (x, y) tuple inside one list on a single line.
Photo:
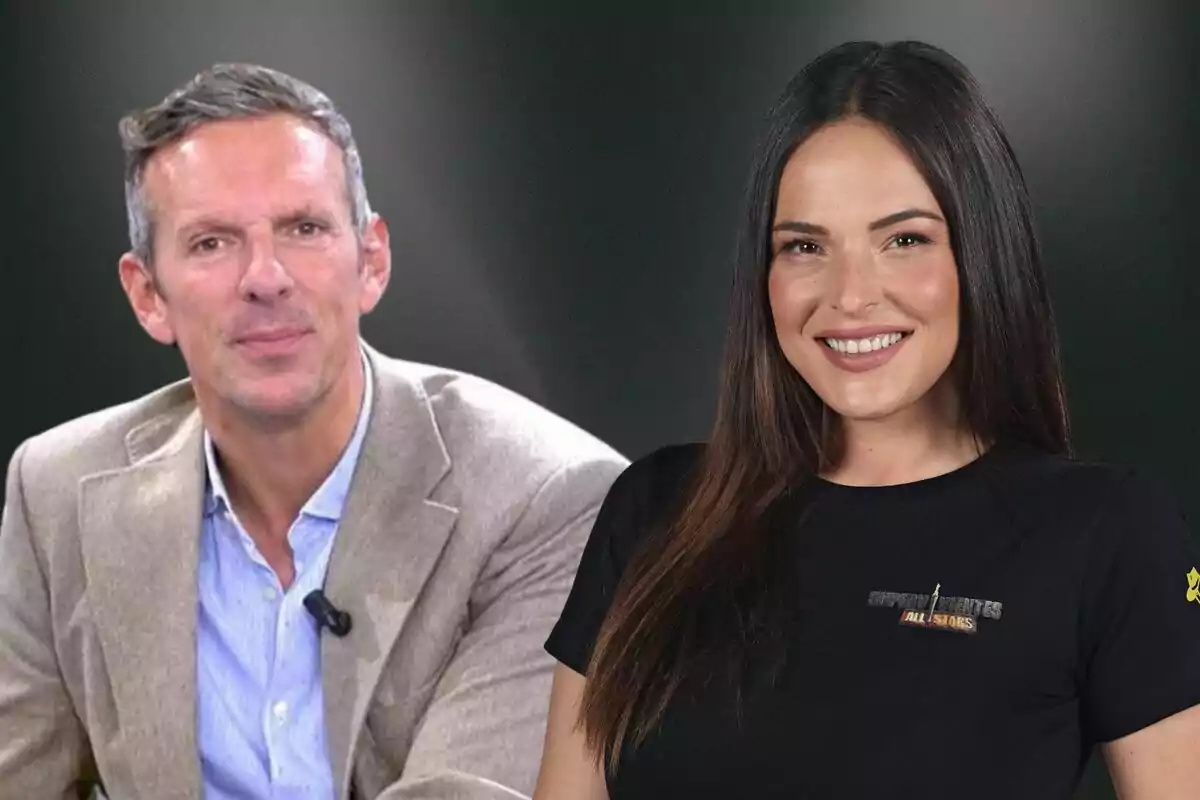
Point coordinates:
[(280, 710), (299, 566), (268, 593)]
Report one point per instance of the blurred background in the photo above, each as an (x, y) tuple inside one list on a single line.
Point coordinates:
[(564, 181)]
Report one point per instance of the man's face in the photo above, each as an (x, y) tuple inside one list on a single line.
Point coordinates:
[(258, 273)]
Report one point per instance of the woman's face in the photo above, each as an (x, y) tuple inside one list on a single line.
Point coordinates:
[(863, 285)]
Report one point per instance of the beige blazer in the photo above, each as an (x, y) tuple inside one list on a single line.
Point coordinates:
[(464, 524)]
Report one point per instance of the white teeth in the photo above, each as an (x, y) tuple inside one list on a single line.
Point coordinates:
[(856, 346)]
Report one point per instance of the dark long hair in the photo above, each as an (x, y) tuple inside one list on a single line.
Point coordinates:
[(772, 432)]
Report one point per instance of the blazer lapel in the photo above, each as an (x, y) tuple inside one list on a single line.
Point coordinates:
[(389, 539), (139, 532)]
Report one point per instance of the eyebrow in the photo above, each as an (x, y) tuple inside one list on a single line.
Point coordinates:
[(205, 225), (219, 225), (799, 226), (901, 216)]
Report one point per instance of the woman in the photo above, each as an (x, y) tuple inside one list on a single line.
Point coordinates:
[(884, 575)]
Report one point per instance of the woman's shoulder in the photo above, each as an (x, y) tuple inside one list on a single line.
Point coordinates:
[(660, 474), (649, 491), (1136, 563), (1060, 471), (1070, 480), (1076, 495)]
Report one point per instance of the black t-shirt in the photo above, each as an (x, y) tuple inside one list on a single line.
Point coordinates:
[(1074, 577)]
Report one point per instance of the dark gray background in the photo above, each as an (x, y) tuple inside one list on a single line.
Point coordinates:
[(564, 180)]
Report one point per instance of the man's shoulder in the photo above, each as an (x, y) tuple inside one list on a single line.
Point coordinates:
[(479, 418), (99, 440)]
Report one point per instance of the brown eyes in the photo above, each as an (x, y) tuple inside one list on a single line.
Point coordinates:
[(303, 229), (808, 247), (308, 228), (906, 240), (804, 247), (208, 244)]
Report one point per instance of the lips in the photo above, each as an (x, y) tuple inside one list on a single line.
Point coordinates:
[(863, 349), (274, 343), (278, 335)]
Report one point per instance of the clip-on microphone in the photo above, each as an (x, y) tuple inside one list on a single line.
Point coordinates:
[(326, 614)]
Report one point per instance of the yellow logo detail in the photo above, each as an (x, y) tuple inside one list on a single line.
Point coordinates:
[(1193, 592)]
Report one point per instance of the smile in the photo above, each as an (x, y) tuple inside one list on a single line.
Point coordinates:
[(863, 353), (863, 346)]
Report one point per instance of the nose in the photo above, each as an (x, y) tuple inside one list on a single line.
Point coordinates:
[(265, 278), (854, 288)]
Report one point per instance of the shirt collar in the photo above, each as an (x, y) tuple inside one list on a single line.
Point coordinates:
[(328, 501)]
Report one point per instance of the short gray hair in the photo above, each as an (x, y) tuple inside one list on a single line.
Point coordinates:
[(229, 91)]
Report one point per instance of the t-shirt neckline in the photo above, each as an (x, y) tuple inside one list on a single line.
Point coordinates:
[(921, 485)]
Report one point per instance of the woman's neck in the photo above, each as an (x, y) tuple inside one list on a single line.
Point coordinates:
[(922, 441)]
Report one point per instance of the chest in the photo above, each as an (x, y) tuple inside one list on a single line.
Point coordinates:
[(871, 699)]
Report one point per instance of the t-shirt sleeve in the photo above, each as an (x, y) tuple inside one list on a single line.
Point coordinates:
[(1141, 613), (632, 510)]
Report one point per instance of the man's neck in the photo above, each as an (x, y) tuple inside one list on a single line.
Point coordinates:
[(270, 472)]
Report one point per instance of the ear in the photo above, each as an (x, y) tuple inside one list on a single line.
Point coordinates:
[(377, 264), (149, 306)]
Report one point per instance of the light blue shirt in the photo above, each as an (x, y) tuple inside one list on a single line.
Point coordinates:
[(260, 706)]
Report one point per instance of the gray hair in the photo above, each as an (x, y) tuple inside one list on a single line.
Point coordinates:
[(229, 91)]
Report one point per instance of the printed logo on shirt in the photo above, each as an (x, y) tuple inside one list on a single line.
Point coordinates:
[(959, 614), (962, 623), (1193, 592)]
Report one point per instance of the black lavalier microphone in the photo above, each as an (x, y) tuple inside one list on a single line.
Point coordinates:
[(326, 614)]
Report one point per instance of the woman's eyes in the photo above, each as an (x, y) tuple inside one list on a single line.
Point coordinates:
[(805, 247), (907, 240), (809, 247)]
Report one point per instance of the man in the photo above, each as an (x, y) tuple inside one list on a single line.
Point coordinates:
[(162, 562)]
